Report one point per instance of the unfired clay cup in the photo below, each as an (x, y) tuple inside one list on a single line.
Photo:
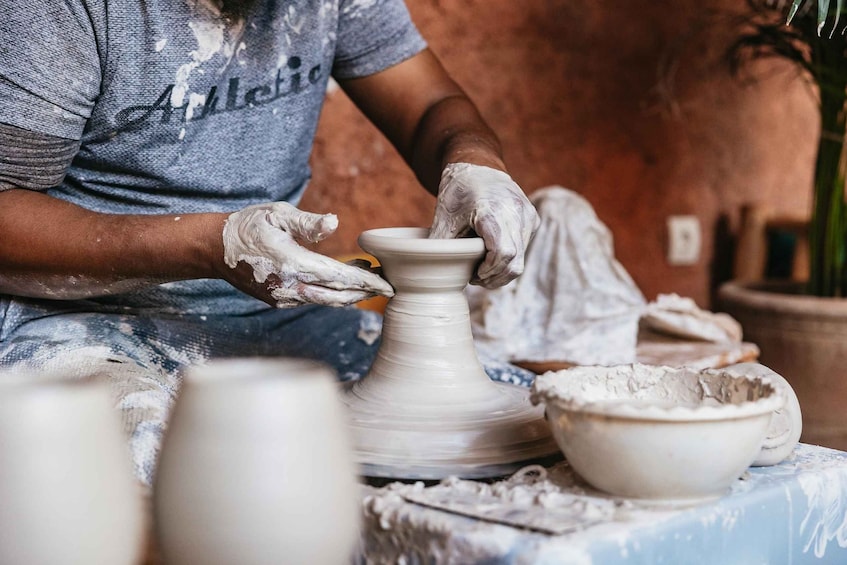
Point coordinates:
[(67, 493), (257, 468)]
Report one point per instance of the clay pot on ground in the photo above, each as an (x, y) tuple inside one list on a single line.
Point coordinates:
[(804, 339)]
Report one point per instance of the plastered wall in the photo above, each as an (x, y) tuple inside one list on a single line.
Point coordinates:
[(630, 104)]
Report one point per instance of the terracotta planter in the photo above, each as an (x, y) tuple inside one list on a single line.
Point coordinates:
[(803, 338)]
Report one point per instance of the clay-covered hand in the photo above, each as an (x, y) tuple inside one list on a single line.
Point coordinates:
[(475, 198), (265, 260)]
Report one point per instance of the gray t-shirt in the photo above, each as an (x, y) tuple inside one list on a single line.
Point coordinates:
[(184, 107)]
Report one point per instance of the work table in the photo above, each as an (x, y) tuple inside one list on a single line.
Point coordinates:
[(793, 513)]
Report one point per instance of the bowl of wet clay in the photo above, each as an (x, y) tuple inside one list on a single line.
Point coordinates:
[(668, 434)]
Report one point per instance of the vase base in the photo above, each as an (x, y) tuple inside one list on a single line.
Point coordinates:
[(480, 440), (427, 473)]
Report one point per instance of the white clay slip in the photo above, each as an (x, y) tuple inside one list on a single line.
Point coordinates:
[(664, 433)]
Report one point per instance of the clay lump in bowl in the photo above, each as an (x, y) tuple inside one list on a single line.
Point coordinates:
[(658, 433)]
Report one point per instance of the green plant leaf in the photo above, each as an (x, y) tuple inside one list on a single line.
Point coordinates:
[(795, 5), (805, 43), (823, 10), (838, 6)]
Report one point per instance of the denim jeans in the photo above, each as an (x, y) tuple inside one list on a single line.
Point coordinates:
[(141, 355)]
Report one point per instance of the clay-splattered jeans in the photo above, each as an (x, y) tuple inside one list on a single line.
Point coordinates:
[(142, 355)]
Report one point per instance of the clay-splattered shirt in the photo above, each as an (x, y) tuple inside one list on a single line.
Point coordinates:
[(184, 107)]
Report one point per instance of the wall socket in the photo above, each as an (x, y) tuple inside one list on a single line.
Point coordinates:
[(684, 240)]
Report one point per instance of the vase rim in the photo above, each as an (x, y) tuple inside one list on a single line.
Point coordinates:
[(415, 241)]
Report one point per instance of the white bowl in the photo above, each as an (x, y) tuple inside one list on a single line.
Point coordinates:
[(647, 432)]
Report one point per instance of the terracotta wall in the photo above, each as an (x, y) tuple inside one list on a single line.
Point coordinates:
[(629, 103)]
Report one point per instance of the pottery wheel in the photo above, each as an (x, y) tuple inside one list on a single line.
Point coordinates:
[(427, 409), (491, 438)]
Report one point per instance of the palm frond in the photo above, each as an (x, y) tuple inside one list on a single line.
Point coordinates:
[(808, 41), (823, 12)]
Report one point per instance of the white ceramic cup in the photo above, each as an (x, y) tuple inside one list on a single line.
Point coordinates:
[(257, 467), (67, 493)]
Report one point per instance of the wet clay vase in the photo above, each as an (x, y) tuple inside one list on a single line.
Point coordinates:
[(804, 339), (67, 492), (427, 409), (256, 468)]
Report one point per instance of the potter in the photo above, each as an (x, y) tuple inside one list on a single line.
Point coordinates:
[(150, 186)]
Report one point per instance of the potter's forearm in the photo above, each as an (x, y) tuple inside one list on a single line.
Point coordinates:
[(452, 131), (427, 116), (53, 249), (456, 156)]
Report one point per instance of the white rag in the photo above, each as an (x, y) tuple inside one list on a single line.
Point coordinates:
[(574, 302)]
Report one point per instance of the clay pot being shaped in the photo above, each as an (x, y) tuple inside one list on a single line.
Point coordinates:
[(256, 467), (67, 492), (427, 409)]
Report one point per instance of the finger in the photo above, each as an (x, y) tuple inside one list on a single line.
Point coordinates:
[(536, 223), (283, 298), (500, 274), (446, 225), (302, 225), (442, 229), (329, 297), (320, 270), (299, 294), (504, 275), (504, 260)]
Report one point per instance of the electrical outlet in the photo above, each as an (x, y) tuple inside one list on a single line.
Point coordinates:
[(684, 240)]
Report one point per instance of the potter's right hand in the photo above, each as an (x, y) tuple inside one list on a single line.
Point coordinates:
[(265, 260)]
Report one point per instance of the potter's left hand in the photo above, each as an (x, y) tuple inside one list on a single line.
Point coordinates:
[(486, 201)]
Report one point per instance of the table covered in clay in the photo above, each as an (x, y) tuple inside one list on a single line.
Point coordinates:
[(792, 513)]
